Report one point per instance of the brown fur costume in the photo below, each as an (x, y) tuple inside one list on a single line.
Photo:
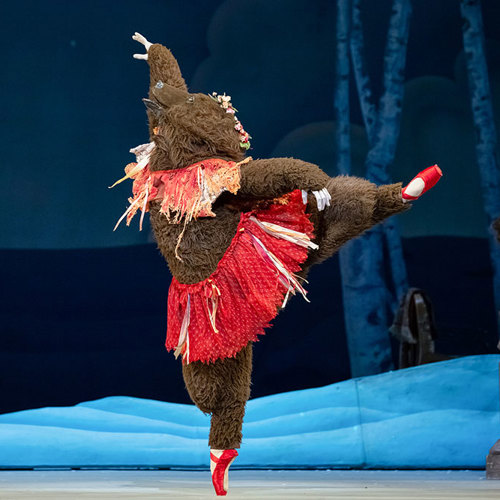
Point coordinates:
[(195, 129)]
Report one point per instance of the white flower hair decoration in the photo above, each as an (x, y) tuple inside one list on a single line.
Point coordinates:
[(224, 102)]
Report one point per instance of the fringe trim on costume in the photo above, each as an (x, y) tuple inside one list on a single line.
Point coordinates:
[(183, 344), (190, 191), (143, 183), (142, 155), (286, 234), (213, 295), (184, 193), (288, 280)]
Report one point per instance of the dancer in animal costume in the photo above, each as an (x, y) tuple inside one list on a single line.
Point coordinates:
[(238, 235)]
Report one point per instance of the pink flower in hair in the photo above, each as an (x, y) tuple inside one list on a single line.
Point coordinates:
[(224, 102)]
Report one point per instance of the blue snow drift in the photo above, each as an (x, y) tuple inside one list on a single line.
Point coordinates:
[(441, 415)]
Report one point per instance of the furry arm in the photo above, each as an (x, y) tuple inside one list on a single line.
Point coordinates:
[(276, 176), (163, 66)]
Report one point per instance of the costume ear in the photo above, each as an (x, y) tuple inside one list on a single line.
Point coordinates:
[(164, 67)]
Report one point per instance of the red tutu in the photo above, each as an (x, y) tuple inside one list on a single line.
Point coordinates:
[(217, 317)]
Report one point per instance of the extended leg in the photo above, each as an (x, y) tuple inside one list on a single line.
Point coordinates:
[(225, 426), (356, 205)]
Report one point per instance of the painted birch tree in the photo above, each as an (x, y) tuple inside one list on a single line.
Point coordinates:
[(365, 291), (383, 150), (486, 135), (393, 84), (341, 101)]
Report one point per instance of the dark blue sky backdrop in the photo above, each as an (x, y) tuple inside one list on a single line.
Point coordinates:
[(71, 102)]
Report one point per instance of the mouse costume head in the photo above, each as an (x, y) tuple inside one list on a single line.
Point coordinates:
[(197, 145), (187, 127)]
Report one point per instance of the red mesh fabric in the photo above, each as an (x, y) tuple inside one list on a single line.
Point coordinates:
[(250, 290)]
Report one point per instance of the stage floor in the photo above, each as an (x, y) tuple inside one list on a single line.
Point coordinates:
[(134, 484)]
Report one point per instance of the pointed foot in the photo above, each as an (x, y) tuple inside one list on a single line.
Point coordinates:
[(220, 461), (424, 181)]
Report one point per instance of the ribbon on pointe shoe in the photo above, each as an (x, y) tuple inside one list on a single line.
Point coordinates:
[(421, 183), (220, 461)]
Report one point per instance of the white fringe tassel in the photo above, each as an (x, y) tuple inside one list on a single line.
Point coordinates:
[(284, 233), (288, 279), (184, 334)]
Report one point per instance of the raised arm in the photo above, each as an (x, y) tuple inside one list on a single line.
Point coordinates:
[(163, 67), (162, 64)]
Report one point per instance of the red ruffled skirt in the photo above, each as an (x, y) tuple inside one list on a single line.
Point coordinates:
[(217, 317)]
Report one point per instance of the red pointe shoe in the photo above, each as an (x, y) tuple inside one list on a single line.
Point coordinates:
[(425, 180), (220, 461)]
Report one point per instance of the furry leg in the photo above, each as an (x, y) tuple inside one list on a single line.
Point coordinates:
[(356, 205), (222, 389), (388, 202), (225, 383), (225, 426)]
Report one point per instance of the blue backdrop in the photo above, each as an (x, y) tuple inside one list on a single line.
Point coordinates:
[(71, 105)]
